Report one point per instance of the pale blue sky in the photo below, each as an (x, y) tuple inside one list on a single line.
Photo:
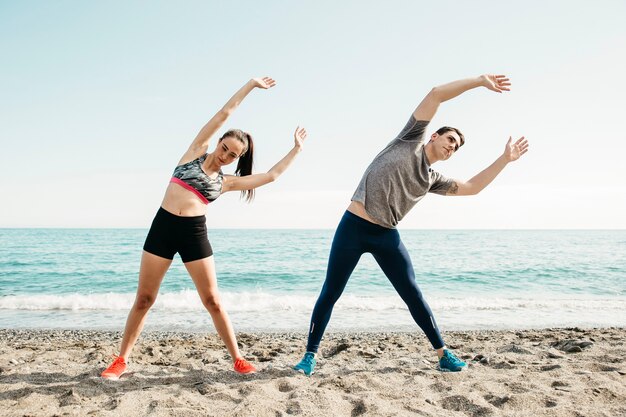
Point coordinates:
[(98, 101)]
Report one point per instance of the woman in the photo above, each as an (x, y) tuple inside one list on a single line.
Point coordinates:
[(180, 223)]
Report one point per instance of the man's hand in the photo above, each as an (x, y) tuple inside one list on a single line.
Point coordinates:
[(299, 136), (513, 151), (497, 83)]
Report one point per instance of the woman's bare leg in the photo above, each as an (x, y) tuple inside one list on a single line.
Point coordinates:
[(151, 273), (204, 277)]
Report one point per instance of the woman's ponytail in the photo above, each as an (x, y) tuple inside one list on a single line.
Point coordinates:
[(244, 166)]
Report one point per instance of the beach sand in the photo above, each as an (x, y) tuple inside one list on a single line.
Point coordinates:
[(522, 373)]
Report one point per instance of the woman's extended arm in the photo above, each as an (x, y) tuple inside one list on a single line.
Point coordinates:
[(250, 182), (201, 142)]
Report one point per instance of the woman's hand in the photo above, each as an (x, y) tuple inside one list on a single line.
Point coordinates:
[(497, 83), (299, 136), (513, 151), (250, 182), (264, 83)]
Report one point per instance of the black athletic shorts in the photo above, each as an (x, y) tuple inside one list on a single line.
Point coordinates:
[(170, 233)]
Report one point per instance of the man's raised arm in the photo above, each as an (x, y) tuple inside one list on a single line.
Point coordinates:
[(429, 105)]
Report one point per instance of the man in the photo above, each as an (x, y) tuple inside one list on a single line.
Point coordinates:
[(395, 181)]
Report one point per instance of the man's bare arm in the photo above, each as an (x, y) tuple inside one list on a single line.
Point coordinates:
[(512, 152), (428, 107)]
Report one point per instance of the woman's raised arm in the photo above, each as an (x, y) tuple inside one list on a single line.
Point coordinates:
[(201, 142)]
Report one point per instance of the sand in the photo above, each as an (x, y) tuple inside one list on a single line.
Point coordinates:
[(549, 372)]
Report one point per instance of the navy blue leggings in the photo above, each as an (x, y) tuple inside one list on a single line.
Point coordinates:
[(354, 237)]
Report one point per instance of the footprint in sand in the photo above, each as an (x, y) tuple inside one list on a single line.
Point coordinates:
[(572, 345), (285, 386), (293, 407), (69, 398), (549, 403), (516, 387), (497, 401), (560, 386), (514, 349), (340, 347), (111, 404), (439, 387), (602, 392), (465, 405), (358, 408), (152, 406), (223, 396), (503, 365), (245, 390)]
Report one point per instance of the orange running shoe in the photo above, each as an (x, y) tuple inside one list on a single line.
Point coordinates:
[(244, 367), (116, 370)]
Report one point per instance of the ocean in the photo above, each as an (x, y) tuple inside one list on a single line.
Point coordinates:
[(269, 280)]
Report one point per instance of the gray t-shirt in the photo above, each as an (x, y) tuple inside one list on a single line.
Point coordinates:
[(399, 177)]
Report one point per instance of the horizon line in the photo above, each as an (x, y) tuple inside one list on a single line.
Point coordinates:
[(311, 228)]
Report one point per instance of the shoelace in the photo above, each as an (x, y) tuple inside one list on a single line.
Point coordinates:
[(308, 359), (451, 357), (242, 363), (117, 361)]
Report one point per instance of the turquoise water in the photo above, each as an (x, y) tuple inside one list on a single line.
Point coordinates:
[(269, 279)]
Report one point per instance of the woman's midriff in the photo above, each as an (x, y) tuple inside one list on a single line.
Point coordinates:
[(182, 202)]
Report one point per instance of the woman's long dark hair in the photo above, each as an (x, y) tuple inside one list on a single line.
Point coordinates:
[(244, 165)]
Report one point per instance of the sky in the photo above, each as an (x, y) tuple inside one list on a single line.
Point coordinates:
[(99, 100)]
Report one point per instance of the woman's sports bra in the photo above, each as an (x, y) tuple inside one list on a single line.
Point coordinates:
[(191, 177)]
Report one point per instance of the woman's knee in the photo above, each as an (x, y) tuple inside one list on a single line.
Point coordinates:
[(212, 303), (144, 301)]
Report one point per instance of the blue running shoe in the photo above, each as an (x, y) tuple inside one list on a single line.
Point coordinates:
[(450, 363), (307, 364)]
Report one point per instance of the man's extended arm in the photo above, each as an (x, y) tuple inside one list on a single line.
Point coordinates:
[(429, 105), (512, 152)]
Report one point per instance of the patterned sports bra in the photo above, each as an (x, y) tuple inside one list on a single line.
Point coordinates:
[(191, 177)]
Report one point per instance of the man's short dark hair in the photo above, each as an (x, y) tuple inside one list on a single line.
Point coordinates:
[(446, 129)]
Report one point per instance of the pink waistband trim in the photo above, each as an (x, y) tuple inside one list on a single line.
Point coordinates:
[(190, 188)]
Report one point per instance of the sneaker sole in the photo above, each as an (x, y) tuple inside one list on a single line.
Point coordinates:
[(450, 370), (113, 378), (245, 373), (303, 373)]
